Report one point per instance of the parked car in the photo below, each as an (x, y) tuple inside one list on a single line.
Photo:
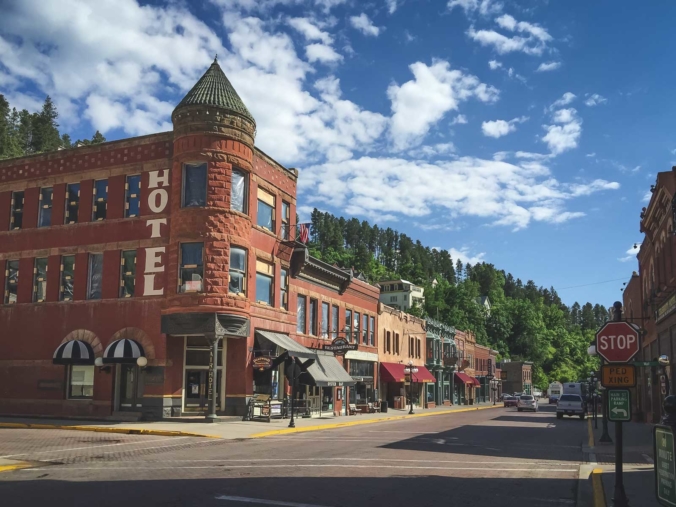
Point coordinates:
[(510, 401), (527, 402), (571, 404)]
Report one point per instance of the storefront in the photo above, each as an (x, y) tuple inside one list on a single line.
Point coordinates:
[(363, 370), (465, 387), (396, 388)]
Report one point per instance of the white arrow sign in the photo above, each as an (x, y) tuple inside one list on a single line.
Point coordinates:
[(616, 410)]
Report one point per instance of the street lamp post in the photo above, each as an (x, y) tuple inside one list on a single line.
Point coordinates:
[(410, 370)]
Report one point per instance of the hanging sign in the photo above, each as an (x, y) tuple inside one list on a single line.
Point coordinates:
[(262, 363), (339, 346)]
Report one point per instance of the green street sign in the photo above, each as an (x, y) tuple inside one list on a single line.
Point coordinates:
[(619, 405), (645, 363), (665, 465)]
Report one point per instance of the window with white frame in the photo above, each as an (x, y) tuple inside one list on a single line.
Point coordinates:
[(191, 270), (266, 210), (237, 273), (81, 382), (265, 281)]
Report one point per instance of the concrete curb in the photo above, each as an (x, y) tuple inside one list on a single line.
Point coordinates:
[(365, 421), (103, 429), (597, 485)]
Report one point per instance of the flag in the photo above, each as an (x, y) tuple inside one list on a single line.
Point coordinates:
[(304, 232)]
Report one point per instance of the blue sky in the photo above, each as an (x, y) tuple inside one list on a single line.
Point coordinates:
[(525, 134)]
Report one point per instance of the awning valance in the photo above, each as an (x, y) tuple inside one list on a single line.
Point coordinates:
[(394, 372), (294, 348), (74, 352), (327, 371), (464, 378), (476, 381), (220, 324), (124, 351)]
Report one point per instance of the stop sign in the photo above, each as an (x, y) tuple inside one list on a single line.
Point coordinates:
[(617, 342)]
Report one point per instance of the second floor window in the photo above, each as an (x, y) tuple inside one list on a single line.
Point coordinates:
[(132, 196), (325, 320), (372, 331), (67, 278), (16, 219), (266, 210), (11, 282), (40, 280), (286, 220), (237, 283), (72, 203), (284, 288), (95, 279), (45, 215), (100, 205), (300, 314), (355, 327), (264, 282), (364, 329), (191, 271), (194, 185), (127, 273), (238, 191), (334, 322), (313, 317), (348, 325)]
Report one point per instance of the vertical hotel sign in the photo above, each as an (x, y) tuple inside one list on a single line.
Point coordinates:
[(158, 198)]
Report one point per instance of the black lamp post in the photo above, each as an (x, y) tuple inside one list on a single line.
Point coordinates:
[(410, 370), (490, 378)]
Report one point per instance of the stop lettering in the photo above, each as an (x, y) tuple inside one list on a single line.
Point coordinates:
[(617, 342)]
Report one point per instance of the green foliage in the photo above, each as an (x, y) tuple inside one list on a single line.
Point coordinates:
[(25, 133), (524, 322)]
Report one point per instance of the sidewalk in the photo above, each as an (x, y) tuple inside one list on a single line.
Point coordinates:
[(231, 428), (639, 477)]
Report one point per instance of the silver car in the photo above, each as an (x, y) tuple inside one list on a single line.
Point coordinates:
[(527, 402)]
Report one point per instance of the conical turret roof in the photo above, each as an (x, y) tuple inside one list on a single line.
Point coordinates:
[(215, 89)]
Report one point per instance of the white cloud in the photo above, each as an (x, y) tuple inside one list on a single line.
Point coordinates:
[(548, 66), (631, 253), (565, 134), (364, 25), (265, 5), (464, 256), (422, 102), (595, 99), (499, 128), (494, 64), (322, 53), (461, 119), (310, 30), (647, 196), (497, 192), (432, 151), (392, 5), (566, 99), (591, 155), (534, 42), (483, 7)]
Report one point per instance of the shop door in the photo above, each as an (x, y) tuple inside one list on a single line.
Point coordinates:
[(129, 374), (197, 390)]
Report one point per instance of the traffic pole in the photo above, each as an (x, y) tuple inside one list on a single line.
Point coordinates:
[(619, 496)]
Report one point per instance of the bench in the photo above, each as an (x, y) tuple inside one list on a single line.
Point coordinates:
[(352, 409)]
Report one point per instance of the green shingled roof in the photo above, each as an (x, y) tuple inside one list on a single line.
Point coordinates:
[(214, 89)]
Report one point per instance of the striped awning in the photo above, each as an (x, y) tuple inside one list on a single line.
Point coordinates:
[(74, 352), (124, 351)]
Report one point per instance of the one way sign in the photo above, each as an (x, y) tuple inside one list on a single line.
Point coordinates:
[(619, 405)]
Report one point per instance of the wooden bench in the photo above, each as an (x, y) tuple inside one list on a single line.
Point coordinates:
[(352, 409)]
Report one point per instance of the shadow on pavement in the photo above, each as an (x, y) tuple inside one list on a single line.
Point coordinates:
[(356, 491)]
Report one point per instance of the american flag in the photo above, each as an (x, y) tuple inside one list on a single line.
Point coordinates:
[(304, 232)]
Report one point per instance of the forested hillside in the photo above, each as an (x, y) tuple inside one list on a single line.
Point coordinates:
[(25, 133), (525, 322)]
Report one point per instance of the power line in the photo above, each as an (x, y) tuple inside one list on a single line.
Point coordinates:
[(588, 284)]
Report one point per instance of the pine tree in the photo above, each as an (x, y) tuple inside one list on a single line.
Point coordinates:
[(45, 131), (98, 138)]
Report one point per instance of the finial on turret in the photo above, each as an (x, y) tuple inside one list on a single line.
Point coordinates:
[(216, 58)]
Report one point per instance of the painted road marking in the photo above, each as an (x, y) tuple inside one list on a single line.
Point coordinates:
[(389, 460), (262, 501), (173, 439), (109, 468)]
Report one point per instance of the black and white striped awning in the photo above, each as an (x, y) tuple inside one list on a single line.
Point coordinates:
[(74, 352), (124, 351)]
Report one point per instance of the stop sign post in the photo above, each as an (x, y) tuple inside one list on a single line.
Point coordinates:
[(617, 342)]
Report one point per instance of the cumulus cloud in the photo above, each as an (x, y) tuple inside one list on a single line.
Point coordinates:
[(364, 25), (322, 53), (499, 128), (461, 119), (631, 253), (435, 90), (392, 5), (564, 134), (500, 193), (482, 7), (566, 99), (494, 64), (595, 99), (548, 66), (532, 40), (310, 30), (464, 255)]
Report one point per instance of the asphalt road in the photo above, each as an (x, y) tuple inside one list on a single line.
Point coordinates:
[(486, 458)]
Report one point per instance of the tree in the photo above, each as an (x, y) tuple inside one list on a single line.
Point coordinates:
[(45, 131)]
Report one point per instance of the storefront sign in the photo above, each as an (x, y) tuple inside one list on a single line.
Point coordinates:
[(340, 346), (153, 375), (666, 308), (262, 363), (158, 199), (50, 385), (210, 389)]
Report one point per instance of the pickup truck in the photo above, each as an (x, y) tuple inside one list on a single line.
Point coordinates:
[(571, 404)]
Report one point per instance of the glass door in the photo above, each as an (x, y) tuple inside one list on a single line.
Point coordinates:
[(129, 376), (195, 390)]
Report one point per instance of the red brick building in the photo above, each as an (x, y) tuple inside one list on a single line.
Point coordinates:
[(171, 259)]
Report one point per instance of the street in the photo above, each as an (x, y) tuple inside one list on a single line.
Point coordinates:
[(494, 457)]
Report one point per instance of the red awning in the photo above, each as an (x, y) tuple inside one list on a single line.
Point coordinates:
[(465, 379), (394, 372), (476, 382)]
